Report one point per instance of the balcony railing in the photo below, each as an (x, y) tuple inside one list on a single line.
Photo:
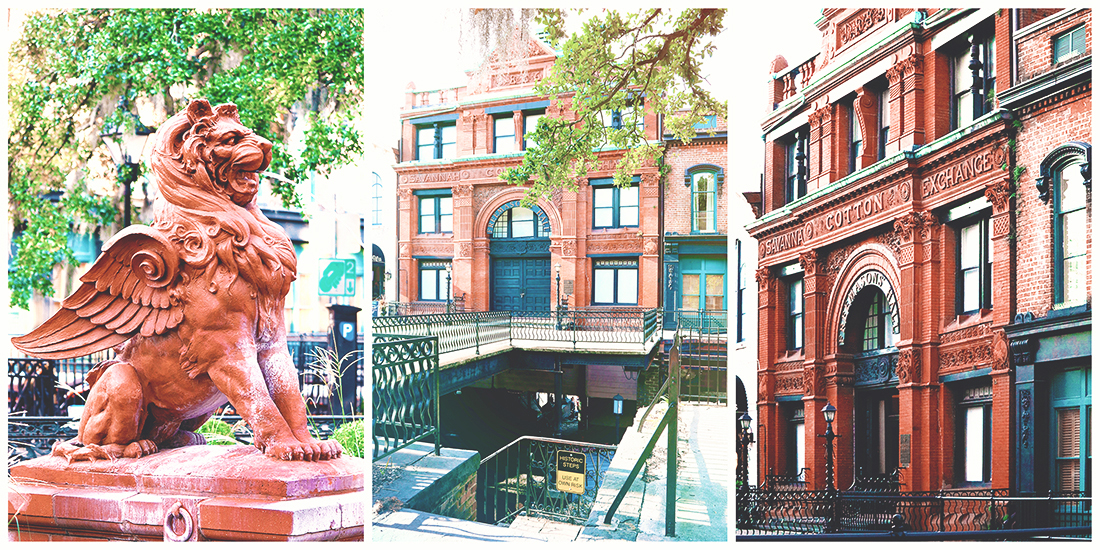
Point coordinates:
[(460, 331), (405, 392), (699, 321), (456, 305)]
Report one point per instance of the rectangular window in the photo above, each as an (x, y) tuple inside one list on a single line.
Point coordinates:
[(975, 253), (797, 168), (376, 201), (436, 214), (704, 203), (1070, 237), (966, 108), (504, 134), (1069, 44), (1070, 423), (433, 280), (796, 442), (703, 282), (435, 142), (795, 304), (615, 282), (530, 124), (614, 206), (974, 440), (883, 121), (855, 138)]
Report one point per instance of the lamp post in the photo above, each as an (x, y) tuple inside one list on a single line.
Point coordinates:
[(448, 288), (617, 408), (557, 307), (744, 439), (126, 141), (829, 411)]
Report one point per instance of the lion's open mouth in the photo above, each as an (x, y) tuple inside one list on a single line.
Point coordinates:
[(243, 178)]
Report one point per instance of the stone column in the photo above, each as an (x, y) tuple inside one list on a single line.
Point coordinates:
[(814, 398), (406, 228), (912, 74), (1028, 394), (769, 417), (822, 161), (462, 276), (895, 110)]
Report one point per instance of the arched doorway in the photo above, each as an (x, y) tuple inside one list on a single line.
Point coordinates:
[(869, 337), (519, 250)]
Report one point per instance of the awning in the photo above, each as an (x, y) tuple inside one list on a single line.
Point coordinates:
[(377, 257)]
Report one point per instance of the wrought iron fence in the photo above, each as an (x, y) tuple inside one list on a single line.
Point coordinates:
[(764, 511), (47, 387), (457, 305), (405, 392), (703, 321), (459, 331), (522, 477)]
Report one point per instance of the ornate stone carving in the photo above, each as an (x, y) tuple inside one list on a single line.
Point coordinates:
[(966, 357), (465, 249), (462, 191), (905, 361), (568, 247), (650, 246), (1000, 351), (859, 23), (914, 225), (875, 278), (404, 193), (403, 251), (189, 300), (808, 261), (999, 191), (788, 366), (789, 383), (596, 246), (764, 278), (975, 331)]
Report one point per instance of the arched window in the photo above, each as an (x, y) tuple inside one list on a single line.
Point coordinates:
[(376, 200), (518, 222), (1066, 176), (876, 323)]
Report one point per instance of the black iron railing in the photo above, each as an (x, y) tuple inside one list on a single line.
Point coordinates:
[(405, 392), (703, 351), (522, 477), (47, 387), (705, 321), (457, 305), (459, 331), (762, 511)]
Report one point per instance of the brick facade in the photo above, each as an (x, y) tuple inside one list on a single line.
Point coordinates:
[(917, 384)]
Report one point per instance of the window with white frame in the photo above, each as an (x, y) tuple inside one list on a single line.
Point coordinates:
[(1070, 235), (436, 141), (704, 202), (376, 200), (530, 124), (504, 134), (973, 449), (975, 260), (615, 281)]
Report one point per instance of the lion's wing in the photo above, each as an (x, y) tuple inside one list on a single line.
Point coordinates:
[(126, 292)]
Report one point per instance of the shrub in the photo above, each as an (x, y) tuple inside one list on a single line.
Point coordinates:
[(352, 436), (218, 432)]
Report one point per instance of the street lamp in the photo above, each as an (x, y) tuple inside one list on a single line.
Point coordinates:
[(126, 141), (744, 439), (829, 411), (617, 408), (557, 308), (448, 288)]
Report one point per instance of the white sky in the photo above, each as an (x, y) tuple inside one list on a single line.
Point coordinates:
[(422, 45)]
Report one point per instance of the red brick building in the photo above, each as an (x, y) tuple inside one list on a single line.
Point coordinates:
[(903, 247), (455, 212)]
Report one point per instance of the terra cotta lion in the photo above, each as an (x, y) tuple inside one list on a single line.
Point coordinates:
[(194, 304)]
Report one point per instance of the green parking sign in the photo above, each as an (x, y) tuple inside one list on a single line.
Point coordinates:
[(337, 277)]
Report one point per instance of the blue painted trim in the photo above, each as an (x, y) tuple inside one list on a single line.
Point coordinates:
[(959, 377), (616, 255), (608, 182), (445, 192), (788, 398), (540, 215), (439, 258), (452, 117), (530, 105)]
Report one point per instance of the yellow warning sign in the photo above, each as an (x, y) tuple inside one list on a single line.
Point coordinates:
[(571, 472)]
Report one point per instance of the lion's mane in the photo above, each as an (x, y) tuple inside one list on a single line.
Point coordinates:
[(217, 238)]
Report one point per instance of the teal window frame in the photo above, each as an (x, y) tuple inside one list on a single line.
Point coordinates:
[(616, 208), (439, 149), (691, 178), (508, 138), (436, 198), (439, 267), (796, 311), (702, 266), (1068, 44), (376, 200), (1060, 217), (1071, 388)]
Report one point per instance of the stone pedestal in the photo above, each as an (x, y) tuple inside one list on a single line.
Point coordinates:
[(203, 492)]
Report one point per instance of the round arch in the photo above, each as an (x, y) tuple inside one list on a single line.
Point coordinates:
[(502, 202), (872, 265)]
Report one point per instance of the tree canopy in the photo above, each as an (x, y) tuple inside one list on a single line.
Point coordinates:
[(70, 68), (606, 68)]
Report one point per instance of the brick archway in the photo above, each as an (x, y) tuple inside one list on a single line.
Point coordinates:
[(870, 265)]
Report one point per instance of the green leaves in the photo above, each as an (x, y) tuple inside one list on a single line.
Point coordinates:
[(611, 66), (70, 67)]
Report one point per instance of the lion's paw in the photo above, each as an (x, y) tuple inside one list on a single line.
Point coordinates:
[(312, 451)]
